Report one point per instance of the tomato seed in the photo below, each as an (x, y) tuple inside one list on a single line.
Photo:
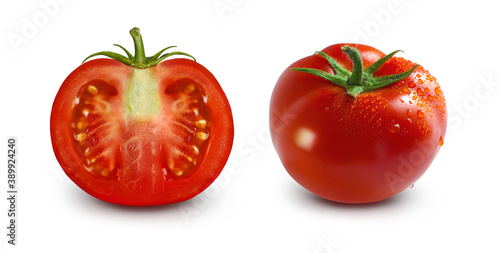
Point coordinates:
[(80, 137), (81, 125), (93, 90), (202, 136), (189, 89)]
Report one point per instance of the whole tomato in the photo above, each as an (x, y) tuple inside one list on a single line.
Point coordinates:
[(138, 130), (354, 125)]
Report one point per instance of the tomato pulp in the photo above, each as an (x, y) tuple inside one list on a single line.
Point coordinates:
[(354, 125), (133, 134)]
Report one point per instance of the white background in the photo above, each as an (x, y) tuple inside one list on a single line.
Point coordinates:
[(254, 206)]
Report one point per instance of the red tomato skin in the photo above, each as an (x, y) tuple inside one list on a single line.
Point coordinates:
[(356, 151), (150, 188)]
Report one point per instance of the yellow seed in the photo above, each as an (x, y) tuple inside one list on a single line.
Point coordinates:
[(81, 125), (177, 171), (189, 89), (80, 137), (202, 136), (190, 159), (85, 112), (105, 172), (201, 123), (93, 90), (195, 150)]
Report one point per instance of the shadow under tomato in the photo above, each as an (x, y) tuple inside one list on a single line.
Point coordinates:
[(91, 202), (311, 198)]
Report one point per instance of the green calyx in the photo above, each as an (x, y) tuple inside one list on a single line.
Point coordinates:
[(139, 60), (358, 81)]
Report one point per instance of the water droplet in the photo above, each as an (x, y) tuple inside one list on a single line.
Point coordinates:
[(420, 92), (412, 85), (420, 81), (420, 114), (419, 75), (402, 101), (441, 141), (426, 90), (438, 91), (394, 128), (412, 185), (406, 90), (408, 112)]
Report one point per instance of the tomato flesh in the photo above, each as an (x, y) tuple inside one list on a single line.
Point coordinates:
[(145, 137)]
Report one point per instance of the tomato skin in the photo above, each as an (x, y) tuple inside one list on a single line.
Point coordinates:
[(356, 151), (149, 187)]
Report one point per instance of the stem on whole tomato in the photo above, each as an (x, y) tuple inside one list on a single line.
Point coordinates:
[(139, 60), (358, 81)]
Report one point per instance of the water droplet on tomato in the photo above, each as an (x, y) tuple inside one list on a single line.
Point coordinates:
[(412, 85), (394, 128), (408, 112), (441, 141), (420, 81), (438, 91), (412, 185), (406, 90), (420, 92), (420, 114), (426, 90)]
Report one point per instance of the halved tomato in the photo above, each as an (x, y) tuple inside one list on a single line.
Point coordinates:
[(135, 131)]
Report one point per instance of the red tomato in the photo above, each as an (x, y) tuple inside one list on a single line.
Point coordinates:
[(143, 134), (353, 133)]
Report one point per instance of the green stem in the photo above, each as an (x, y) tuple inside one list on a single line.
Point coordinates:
[(358, 81), (139, 60), (356, 78)]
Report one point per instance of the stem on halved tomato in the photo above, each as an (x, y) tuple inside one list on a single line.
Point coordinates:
[(139, 60), (358, 81)]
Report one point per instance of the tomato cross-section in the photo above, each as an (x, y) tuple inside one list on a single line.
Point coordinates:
[(142, 135)]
